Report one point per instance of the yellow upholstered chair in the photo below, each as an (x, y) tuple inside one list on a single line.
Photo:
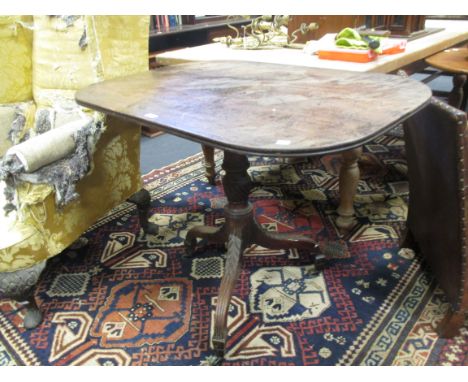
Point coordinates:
[(61, 166)]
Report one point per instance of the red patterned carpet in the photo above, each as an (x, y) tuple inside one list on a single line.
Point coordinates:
[(127, 299)]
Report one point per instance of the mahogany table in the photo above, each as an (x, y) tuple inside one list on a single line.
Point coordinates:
[(247, 108)]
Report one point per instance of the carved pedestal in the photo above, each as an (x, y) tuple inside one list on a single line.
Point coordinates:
[(239, 232)]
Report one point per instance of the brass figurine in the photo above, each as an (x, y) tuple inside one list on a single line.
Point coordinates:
[(265, 32)]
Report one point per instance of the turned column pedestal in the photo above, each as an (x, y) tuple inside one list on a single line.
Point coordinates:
[(240, 231)]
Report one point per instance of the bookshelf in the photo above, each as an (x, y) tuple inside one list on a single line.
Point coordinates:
[(187, 31)]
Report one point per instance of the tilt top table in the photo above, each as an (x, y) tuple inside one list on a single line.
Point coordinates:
[(250, 108)]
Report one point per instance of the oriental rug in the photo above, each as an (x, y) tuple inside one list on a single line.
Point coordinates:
[(131, 299)]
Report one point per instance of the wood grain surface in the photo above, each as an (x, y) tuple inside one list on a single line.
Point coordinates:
[(254, 108), (453, 60)]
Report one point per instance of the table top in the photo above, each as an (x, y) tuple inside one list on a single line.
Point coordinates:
[(453, 60), (264, 109), (454, 32)]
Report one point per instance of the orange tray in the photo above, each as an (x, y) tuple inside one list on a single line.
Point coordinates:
[(396, 46), (352, 55)]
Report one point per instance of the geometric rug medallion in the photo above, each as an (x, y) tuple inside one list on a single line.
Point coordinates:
[(131, 299)]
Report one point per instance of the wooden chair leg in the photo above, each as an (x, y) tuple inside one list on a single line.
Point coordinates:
[(465, 96), (142, 199), (210, 166), (456, 96)]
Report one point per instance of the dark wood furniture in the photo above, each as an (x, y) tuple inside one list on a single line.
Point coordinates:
[(265, 109), (455, 62), (397, 26), (436, 140)]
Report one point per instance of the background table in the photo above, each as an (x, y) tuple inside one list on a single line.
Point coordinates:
[(455, 62), (249, 108), (454, 32)]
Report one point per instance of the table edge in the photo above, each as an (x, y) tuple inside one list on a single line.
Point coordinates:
[(255, 151)]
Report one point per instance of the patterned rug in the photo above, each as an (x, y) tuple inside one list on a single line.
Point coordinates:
[(127, 299)]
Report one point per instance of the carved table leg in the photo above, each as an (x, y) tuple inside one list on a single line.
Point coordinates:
[(142, 199), (210, 166), (451, 324), (235, 247), (455, 98), (349, 179), (216, 235), (240, 231), (19, 285)]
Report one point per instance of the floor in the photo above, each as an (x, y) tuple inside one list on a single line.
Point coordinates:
[(166, 149), (163, 150)]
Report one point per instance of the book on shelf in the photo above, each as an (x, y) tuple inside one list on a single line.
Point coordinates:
[(163, 23), (172, 20)]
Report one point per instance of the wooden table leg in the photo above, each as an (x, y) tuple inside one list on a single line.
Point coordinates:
[(239, 231), (465, 97), (348, 183), (238, 240), (455, 98), (210, 166), (215, 235)]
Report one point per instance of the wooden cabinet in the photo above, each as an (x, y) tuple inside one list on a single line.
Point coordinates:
[(397, 25)]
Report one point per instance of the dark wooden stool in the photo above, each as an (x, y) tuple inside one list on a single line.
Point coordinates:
[(454, 61)]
